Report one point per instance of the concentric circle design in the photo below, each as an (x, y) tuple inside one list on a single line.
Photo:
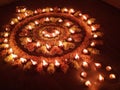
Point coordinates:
[(51, 39), (50, 36)]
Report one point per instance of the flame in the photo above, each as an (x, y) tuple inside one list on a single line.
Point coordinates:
[(85, 51), (6, 34), (112, 76), (85, 64), (84, 74), (57, 63), (60, 43), (108, 68), (100, 77), (23, 60), (71, 31), (88, 83), (38, 44), (5, 40), (76, 56), (14, 55), (98, 65), (33, 62), (48, 46), (44, 63), (71, 10)]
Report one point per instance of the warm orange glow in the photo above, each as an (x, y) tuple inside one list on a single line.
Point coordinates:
[(38, 44), (98, 65), (14, 55), (76, 56), (48, 46), (12, 22), (28, 39), (60, 44), (84, 74), (57, 63), (108, 68), (112, 76), (100, 77), (72, 31), (69, 39), (33, 62), (23, 60), (88, 83), (95, 36), (47, 19), (67, 24), (71, 10), (60, 20), (85, 51), (44, 63), (36, 22), (84, 17), (5, 40), (6, 34), (93, 28), (85, 64), (10, 50)]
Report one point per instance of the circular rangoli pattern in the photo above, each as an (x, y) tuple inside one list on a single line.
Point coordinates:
[(52, 38)]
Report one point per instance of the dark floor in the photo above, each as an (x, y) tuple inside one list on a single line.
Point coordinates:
[(106, 15)]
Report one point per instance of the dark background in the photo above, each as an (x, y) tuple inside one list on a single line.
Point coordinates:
[(107, 16)]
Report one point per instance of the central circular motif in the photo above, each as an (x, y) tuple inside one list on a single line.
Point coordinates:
[(49, 32), (53, 35)]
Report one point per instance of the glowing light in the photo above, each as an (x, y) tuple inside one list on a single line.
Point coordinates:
[(12, 22), (14, 55), (47, 19), (85, 64), (44, 63), (93, 28), (65, 10), (108, 68), (80, 14), (60, 44), (28, 39), (88, 83), (57, 63), (69, 39), (51, 9), (71, 10), (95, 36), (23, 60), (85, 17), (60, 20), (112, 76), (19, 18), (26, 14), (5, 40), (10, 50), (85, 51), (76, 56), (100, 77), (71, 31), (92, 44), (84, 74), (48, 46), (98, 65), (89, 22), (33, 62), (5, 45), (38, 44), (67, 24), (36, 22), (30, 27), (6, 34), (57, 32)]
